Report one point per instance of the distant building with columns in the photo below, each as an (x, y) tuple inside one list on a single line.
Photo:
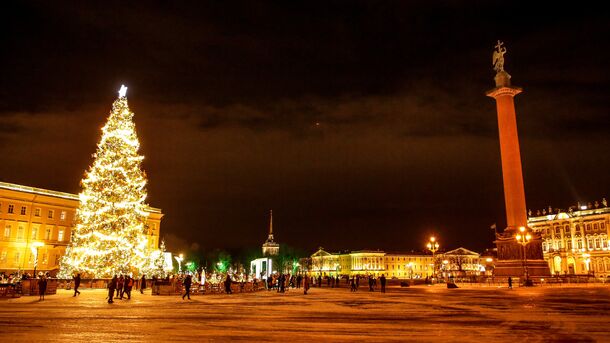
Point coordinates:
[(407, 265), (575, 241)]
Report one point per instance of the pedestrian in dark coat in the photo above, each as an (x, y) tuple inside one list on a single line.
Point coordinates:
[(111, 287), (128, 286), (143, 284), (187, 287), (42, 287), (510, 282), (76, 284), (120, 287), (382, 282), (228, 284), (305, 285)]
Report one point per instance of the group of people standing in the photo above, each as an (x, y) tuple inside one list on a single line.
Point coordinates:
[(122, 286)]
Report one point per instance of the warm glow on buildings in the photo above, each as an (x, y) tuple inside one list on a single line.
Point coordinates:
[(35, 221), (575, 241), (372, 262)]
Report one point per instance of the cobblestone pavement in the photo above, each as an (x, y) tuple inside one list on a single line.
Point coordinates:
[(403, 314)]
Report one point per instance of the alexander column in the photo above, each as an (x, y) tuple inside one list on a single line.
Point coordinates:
[(517, 256)]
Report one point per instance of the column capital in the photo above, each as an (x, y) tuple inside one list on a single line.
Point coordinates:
[(501, 91)]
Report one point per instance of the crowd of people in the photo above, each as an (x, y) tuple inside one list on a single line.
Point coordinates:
[(121, 286), (283, 282)]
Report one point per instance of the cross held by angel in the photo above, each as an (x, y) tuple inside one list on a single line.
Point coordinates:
[(498, 57)]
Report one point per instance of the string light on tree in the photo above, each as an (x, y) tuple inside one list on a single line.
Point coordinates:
[(109, 235)]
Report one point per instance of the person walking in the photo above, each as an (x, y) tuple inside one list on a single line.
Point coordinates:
[(305, 285), (382, 282), (320, 280), (111, 287), (510, 283), (187, 287), (42, 287), (228, 283), (76, 284), (353, 287), (142, 284)]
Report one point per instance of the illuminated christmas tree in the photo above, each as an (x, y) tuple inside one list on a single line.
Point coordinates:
[(109, 234)]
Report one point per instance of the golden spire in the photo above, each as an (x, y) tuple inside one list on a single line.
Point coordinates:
[(270, 223)]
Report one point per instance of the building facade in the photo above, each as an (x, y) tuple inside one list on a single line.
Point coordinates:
[(575, 242), (36, 224), (372, 262), (462, 262)]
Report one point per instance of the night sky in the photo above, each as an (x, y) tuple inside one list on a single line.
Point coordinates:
[(361, 124)]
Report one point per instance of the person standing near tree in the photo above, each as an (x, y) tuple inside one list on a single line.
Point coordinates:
[(76, 284), (111, 287), (128, 286), (119, 287), (142, 284)]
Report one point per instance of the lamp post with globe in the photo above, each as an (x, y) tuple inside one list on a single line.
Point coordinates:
[(433, 247)]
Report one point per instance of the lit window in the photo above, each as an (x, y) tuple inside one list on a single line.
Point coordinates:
[(557, 230), (569, 245), (34, 232), (23, 210), (577, 228), (602, 225), (47, 234), (597, 246), (51, 213), (11, 208), (60, 235), (7, 232), (3, 256), (20, 231), (45, 258), (62, 215), (17, 256), (37, 212), (579, 244), (596, 226)]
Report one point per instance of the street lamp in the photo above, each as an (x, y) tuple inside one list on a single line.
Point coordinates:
[(179, 258), (433, 247), (524, 238), (34, 247)]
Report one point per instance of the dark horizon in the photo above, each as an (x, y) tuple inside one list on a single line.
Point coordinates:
[(363, 125)]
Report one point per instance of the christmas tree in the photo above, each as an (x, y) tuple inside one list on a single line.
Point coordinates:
[(109, 234)]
